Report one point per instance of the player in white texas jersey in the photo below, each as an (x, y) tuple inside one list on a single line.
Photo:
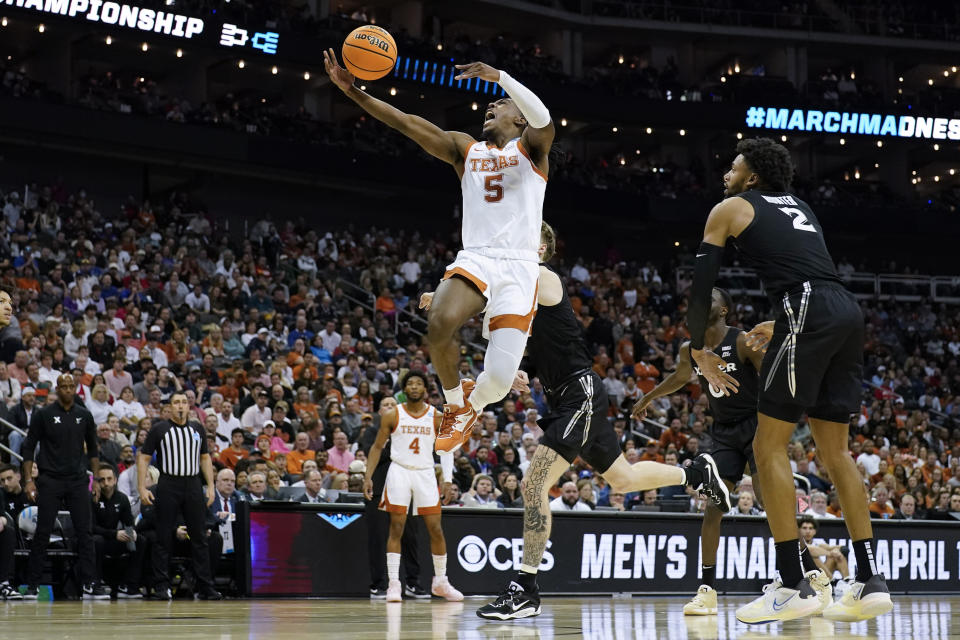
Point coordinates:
[(503, 181), (411, 428)]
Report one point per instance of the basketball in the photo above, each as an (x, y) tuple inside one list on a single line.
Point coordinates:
[(369, 52)]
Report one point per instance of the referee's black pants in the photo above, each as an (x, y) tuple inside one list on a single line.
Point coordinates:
[(8, 541), (378, 529), (176, 494), (51, 493)]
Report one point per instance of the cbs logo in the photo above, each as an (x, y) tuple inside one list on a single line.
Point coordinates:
[(503, 554)]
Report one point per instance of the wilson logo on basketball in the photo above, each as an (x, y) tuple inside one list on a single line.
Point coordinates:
[(373, 40)]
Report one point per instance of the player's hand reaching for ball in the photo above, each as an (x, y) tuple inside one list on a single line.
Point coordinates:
[(477, 70), (338, 75), (426, 299), (759, 337)]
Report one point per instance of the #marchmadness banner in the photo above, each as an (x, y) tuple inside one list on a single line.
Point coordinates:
[(321, 550)]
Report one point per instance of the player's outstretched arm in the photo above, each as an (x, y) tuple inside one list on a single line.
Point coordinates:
[(538, 136), (674, 382), (448, 146)]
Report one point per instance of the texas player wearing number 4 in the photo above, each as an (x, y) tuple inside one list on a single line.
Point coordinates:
[(411, 428)]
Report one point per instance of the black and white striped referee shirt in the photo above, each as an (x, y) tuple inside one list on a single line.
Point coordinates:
[(178, 447)]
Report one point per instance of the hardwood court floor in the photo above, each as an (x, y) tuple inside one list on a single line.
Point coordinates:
[(654, 618)]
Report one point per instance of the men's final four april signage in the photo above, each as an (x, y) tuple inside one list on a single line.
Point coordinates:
[(599, 552), (852, 123)]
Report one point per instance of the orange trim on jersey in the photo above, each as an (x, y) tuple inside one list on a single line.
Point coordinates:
[(429, 511), (532, 163), (514, 321), (463, 273), (390, 508), (413, 417)]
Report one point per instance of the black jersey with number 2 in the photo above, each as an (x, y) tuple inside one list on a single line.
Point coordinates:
[(784, 243), (742, 404)]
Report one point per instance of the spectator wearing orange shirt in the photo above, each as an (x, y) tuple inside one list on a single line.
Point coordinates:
[(625, 349), (880, 506), (667, 331), (929, 467), (601, 362), (28, 280), (646, 375), (303, 406), (300, 454), (673, 435), (386, 304), (235, 452), (229, 389), (652, 452)]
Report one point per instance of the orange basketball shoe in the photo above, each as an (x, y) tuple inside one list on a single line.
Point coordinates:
[(458, 422)]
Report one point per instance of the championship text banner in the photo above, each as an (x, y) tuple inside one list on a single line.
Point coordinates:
[(297, 549), (130, 17)]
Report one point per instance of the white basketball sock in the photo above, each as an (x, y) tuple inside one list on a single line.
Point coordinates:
[(454, 396), (440, 565), (393, 566)]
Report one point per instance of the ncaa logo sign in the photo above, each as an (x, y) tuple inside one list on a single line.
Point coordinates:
[(503, 554)]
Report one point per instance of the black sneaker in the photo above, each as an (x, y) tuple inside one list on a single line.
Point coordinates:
[(376, 593), (209, 594), (414, 591), (513, 602), (713, 486), (162, 594), (31, 593), (131, 592), (95, 592), (9, 593)]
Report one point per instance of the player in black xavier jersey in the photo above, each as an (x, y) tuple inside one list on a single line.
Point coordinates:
[(734, 426), (576, 425), (814, 364)]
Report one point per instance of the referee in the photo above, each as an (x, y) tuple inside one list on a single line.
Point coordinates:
[(61, 429), (181, 448)]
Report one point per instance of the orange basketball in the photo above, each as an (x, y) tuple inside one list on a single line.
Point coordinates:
[(369, 52)]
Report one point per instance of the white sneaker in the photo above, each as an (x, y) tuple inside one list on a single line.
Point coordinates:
[(442, 587), (703, 604), (820, 582), (394, 591), (780, 603), (862, 601)]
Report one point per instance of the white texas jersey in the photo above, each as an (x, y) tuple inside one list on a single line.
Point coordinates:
[(502, 201), (411, 443)]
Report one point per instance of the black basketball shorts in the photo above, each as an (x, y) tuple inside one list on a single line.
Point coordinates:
[(577, 423), (815, 360), (732, 448)]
